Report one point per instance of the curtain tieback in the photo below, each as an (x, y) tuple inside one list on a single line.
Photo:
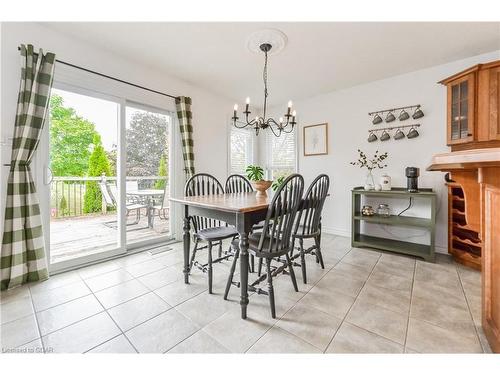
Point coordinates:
[(19, 165)]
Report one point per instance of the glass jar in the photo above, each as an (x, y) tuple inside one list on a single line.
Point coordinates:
[(383, 210)]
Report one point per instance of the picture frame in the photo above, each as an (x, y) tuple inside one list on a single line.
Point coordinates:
[(315, 139)]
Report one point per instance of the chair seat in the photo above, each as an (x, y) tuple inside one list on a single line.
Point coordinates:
[(253, 246), (300, 231), (160, 207), (216, 233)]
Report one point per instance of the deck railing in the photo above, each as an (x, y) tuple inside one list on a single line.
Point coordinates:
[(67, 193)]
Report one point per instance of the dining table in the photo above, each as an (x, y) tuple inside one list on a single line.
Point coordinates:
[(242, 210), (147, 196)]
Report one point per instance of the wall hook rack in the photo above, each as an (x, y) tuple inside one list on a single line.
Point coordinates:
[(394, 109), (393, 127)]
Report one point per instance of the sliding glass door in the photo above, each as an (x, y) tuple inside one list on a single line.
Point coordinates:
[(103, 176), (147, 137)]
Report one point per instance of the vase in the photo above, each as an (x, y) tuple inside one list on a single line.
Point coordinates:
[(369, 181), (261, 187)]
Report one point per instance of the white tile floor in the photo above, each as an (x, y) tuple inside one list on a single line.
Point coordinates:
[(363, 302)]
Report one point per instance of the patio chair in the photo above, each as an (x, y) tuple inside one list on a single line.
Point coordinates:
[(162, 207), (112, 192)]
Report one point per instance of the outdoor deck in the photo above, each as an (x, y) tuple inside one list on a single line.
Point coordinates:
[(74, 237)]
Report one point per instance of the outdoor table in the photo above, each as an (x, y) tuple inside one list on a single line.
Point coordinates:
[(148, 195)]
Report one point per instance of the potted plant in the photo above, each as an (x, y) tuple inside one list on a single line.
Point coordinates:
[(256, 176), (370, 164)]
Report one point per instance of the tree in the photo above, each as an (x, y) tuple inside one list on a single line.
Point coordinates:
[(162, 171), (147, 138), (98, 165), (70, 139)]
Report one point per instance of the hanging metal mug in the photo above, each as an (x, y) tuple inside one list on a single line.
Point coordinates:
[(372, 137), (377, 119), (418, 113), (413, 133), (390, 117), (399, 134), (403, 115), (385, 136)]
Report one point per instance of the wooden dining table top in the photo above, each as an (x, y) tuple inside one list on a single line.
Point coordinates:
[(231, 202)]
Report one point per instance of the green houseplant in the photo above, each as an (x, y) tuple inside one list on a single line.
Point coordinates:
[(255, 174)]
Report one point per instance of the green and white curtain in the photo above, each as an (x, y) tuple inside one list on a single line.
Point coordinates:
[(183, 106), (23, 256)]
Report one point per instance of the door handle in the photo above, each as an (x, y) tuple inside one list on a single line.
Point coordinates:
[(47, 168)]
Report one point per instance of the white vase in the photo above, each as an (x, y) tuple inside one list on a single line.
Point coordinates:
[(369, 181), (385, 182)]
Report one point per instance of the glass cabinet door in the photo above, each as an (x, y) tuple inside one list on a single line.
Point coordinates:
[(460, 122)]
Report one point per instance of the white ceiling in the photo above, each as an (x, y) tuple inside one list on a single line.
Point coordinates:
[(319, 57)]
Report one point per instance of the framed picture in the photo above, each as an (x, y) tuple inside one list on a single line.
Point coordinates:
[(316, 139)]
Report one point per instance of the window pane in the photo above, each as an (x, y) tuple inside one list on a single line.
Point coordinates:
[(241, 150), (281, 153)]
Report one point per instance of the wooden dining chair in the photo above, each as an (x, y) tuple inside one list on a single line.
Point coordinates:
[(308, 224), (275, 240), (206, 229)]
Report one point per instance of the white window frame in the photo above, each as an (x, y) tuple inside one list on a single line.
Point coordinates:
[(254, 146)]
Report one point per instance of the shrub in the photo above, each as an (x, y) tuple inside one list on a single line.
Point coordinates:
[(98, 165)]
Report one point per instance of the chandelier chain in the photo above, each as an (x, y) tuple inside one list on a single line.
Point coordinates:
[(264, 76)]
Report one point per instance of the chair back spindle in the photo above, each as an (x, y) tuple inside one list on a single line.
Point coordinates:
[(237, 183), (309, 217), (203, 184)]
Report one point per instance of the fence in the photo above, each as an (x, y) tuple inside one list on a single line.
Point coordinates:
[(67, 193)]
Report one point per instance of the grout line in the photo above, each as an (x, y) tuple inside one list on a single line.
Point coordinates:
[(119, 328), (37, 324), (317, 281), (411, 302), (354, 302), (468, 308)]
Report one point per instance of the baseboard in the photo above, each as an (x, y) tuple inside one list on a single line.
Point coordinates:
[(336, 231)]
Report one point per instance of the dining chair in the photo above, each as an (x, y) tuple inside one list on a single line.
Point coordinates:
[(308, 224), (205, 229), (275, 240), (237, 183)]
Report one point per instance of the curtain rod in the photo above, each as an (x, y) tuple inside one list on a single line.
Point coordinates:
[(110, 77)]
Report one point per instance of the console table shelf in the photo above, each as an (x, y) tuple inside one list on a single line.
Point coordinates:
[(359, 239)]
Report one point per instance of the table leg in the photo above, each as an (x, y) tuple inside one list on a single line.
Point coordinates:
[(243, 232), (187, 243)]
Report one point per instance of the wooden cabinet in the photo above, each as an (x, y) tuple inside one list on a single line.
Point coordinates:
[(464, 226), (473, 101)]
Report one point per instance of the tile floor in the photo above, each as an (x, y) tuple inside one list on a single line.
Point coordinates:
[(363, 302)]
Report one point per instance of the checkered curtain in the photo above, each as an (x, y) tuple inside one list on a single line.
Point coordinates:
[(183, 105), (23, 255)]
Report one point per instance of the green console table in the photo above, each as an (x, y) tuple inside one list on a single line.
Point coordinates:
[(359, 239)]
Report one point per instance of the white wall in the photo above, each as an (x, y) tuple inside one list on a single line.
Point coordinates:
[(210, 111), (346, 112)]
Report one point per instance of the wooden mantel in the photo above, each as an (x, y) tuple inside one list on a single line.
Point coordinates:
[(486, 165)]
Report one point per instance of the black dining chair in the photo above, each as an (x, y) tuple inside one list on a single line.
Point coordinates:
[(308, 223), (205, 229), (237, 183), (275, 240)]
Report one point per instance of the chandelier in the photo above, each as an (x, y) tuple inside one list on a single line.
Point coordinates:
[(283, 125)]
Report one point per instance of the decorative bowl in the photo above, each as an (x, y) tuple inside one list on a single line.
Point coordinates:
[(261, 187)]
